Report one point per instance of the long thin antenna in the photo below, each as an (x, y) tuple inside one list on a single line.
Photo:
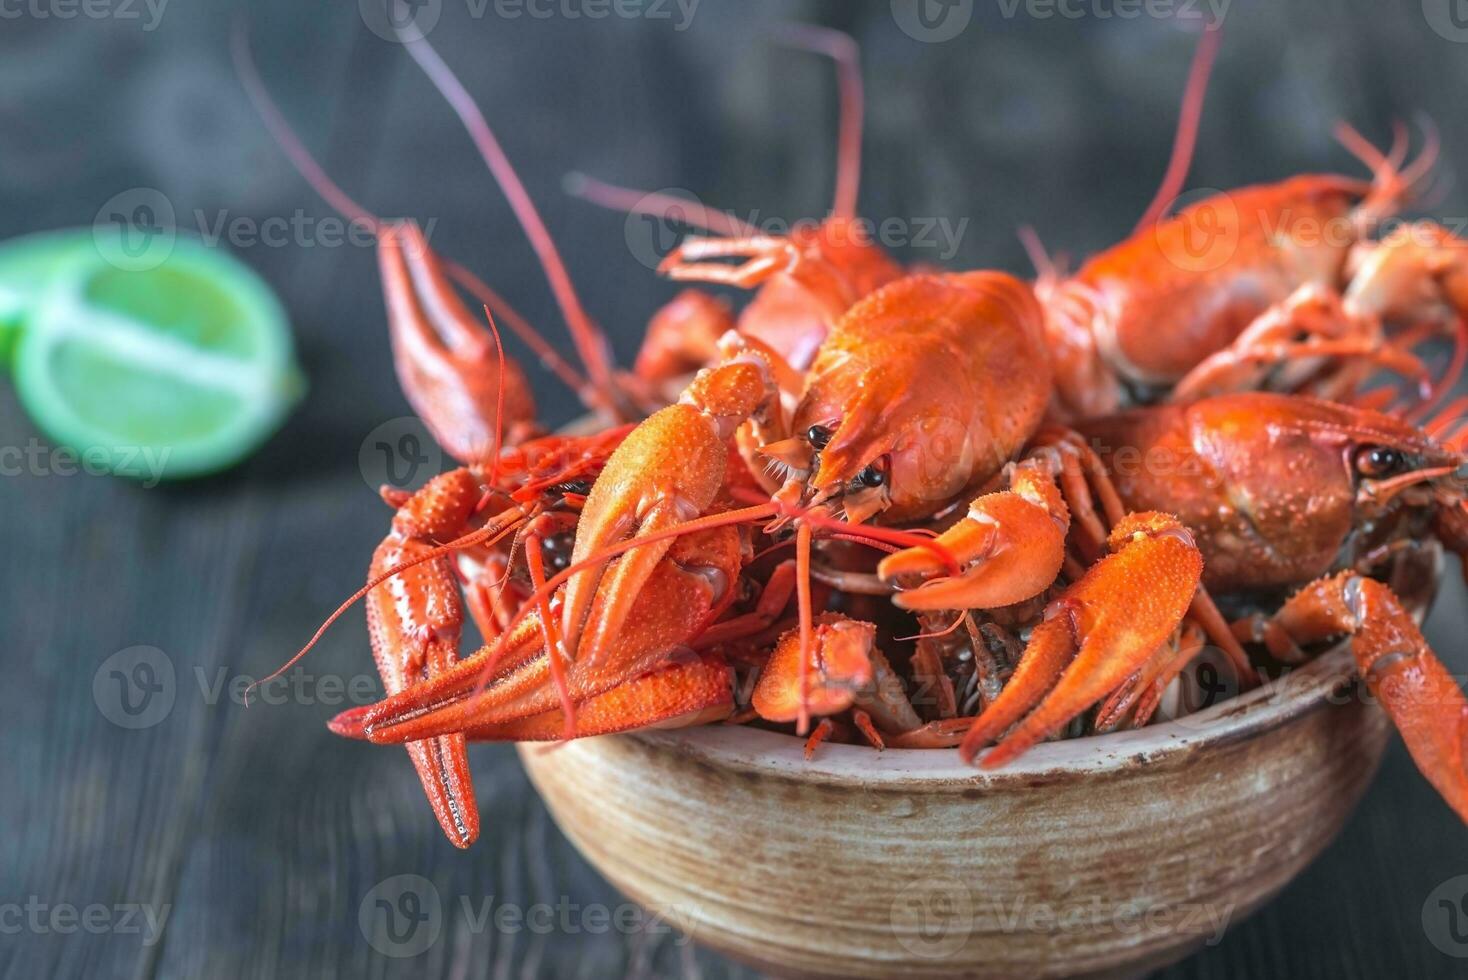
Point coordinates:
[(590, 342), (844, 51), (1187, 125), (628, 200), (344, 204)]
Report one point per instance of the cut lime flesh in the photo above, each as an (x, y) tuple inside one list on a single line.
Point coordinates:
[(164, 373)]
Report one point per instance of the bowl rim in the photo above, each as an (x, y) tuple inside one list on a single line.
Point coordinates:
[(1298, 692)]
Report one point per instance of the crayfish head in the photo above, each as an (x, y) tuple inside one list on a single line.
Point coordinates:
[(839, 461), (1310, 483), (894, 451)]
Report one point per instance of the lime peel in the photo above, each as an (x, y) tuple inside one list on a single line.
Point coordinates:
[(157, 399)]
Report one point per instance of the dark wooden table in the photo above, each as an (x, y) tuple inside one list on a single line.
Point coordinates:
[(260, 836)]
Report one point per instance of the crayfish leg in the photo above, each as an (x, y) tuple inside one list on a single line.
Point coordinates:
[(1423, 700)]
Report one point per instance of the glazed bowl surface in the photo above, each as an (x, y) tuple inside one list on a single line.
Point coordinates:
[(1106, 855)]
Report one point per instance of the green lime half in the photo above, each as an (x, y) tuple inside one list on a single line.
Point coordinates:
[(27, 266), (175, 370)]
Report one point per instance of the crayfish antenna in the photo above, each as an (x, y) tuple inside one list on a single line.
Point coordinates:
[(1186, 137), (838, 46), (286, 138), (629, 200), (591, 343), (486, 535), (807, 629), (555, 650), (1450, 376), (345, 205), (499, 413), (1049, 269), (841, 48)]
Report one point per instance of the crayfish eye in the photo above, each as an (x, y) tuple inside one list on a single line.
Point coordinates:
[(1375, 462), (818, 435), (579, 487), (871, 476), (556, 550)]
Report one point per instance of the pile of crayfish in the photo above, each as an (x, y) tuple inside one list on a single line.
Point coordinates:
[(916, 508)]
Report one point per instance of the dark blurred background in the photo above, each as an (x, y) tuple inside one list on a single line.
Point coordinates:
[(254, 835)]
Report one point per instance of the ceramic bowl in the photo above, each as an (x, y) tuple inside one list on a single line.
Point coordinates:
[(1108, 855)]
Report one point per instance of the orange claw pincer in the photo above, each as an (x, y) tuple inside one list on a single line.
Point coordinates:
[(652, 566), (414, 607), (415, 621), (1011, 542), (471, 398), (1400, 669), (845, 672), (515, 684), (1095, 635)]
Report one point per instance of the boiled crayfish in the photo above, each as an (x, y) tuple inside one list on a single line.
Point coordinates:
[(964, 426)]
